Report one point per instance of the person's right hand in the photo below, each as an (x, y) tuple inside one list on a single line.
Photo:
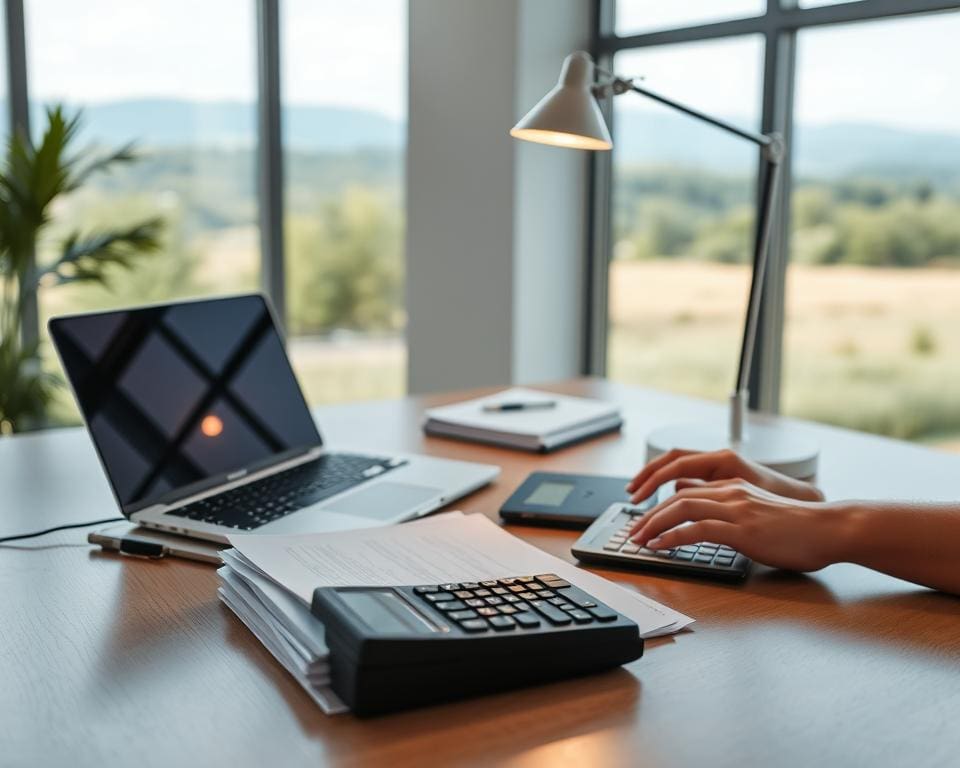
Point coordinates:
[(691, 469)]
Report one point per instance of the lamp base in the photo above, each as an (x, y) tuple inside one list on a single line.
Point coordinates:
[(775, 448)]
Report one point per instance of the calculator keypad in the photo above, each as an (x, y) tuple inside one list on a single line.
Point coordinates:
[(715, 556), (514, 604)]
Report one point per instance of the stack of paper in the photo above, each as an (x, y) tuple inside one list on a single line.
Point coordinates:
[(543, 429), (268, 581)]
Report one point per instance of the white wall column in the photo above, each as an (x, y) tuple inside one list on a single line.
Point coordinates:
[(496, 229)]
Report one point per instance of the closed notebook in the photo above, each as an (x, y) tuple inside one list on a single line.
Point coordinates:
[(571, 420)]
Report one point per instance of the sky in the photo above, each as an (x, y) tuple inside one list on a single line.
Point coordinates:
[(898, 72), (334, 52)]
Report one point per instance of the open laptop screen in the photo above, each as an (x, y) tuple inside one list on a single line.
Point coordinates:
[(177, 397)]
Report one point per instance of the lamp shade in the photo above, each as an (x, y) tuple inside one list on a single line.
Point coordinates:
[(569, 115)]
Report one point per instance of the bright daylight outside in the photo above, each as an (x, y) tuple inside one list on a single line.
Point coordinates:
[(872, 337), (194, 121)]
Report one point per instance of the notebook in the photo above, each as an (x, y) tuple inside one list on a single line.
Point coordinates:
[(572, 419)]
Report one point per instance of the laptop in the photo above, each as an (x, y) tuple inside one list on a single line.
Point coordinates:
[(203, 430)]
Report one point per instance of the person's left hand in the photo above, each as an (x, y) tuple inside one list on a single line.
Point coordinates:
[(767, 528)]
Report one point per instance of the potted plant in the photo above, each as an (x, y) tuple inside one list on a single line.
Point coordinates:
[(32, 178)]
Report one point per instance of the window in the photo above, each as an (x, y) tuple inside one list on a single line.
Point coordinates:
[(870, 317), (683, 195), (344, 121), (636, 16), (873, 321), (186, 94)]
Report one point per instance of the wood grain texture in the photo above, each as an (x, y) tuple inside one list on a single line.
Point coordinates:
[(109, 661)]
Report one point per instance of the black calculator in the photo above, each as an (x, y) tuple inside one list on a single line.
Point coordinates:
[(394, 648), (605, 541)]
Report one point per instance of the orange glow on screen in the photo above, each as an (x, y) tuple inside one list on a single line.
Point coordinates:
[(211, 425)]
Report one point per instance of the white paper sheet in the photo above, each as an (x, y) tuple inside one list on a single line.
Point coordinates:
[(450, 547)]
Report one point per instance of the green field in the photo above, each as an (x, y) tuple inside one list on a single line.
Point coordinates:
[(875, 349)]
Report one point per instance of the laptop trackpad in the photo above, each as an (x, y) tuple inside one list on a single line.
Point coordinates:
[(384, 500)]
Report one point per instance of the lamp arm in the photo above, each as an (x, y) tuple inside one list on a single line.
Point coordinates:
[(620, 85), (761, 255), (771, 152)]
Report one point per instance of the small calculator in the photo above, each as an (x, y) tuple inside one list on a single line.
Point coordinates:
[(393, 648), (606, 541)]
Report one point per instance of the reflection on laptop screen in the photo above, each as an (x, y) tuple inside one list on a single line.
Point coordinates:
[(182, 393)]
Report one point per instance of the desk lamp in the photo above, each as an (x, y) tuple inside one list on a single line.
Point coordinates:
[(569, 116)]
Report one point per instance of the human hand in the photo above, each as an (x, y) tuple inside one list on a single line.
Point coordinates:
[(767, 528), (715, 467)]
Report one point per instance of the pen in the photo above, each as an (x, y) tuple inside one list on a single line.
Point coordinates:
[(518, 406)]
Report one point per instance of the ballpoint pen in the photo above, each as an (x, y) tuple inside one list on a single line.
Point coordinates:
[(520, 406)]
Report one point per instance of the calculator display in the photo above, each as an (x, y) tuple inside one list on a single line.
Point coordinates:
[(386, 612), (549, 494)]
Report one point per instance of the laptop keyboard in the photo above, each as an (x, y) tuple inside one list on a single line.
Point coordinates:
[(270, 498)]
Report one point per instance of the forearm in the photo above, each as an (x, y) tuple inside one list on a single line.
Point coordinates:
[(916, 542)]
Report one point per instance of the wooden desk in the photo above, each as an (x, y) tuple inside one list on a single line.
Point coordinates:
[(108, 661)]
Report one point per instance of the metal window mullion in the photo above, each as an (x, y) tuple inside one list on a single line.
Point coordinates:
[(270, 157), (18, 104), (779, 78), (597, 277)]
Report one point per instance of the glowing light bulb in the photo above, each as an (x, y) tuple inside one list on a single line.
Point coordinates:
[(211, 425)]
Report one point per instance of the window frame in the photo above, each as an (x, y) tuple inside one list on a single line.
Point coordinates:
[(778, 25)]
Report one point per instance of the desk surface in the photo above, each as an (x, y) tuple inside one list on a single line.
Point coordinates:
[(108, 661)]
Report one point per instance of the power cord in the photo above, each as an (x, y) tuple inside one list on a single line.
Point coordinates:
[(62, 528)]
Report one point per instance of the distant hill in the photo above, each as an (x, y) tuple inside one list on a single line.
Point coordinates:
[(820, 150), (642, 137), (174, 123)]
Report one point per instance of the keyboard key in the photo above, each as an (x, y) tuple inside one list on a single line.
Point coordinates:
[(515, 588), (557, 601), (631, 549), (493, 600), (506, 582), (691, 548), (499, 591), (463, 615), (581, 617), (513, 598), (612, 546), (684, 556), (545, 594), (452, 605), (488, 611), (469, 585), (439, 597), (475, 625), (492, 583), (725, 561), (502, 623), (602, 613), (553, 614), (463, 594), (482, 592), (526, 596), (425, 589), (526, 619), (507, 609), (476, 602), (554, 583), (525, 579), (703, 558), (449, 587)]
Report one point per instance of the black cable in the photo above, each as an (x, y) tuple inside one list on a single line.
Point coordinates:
[(62, 528)]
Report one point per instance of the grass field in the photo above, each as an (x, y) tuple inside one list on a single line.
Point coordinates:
[(867, 348)]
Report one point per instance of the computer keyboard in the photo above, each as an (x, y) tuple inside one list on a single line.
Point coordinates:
[(606, 541), (270, 498)]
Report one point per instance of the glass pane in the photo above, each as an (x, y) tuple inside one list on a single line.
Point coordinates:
[(873, 322), (683, 212), (344, 117), (636, 16), (179, 79)]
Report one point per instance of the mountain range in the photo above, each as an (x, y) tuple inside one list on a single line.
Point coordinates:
[(642, 137)]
